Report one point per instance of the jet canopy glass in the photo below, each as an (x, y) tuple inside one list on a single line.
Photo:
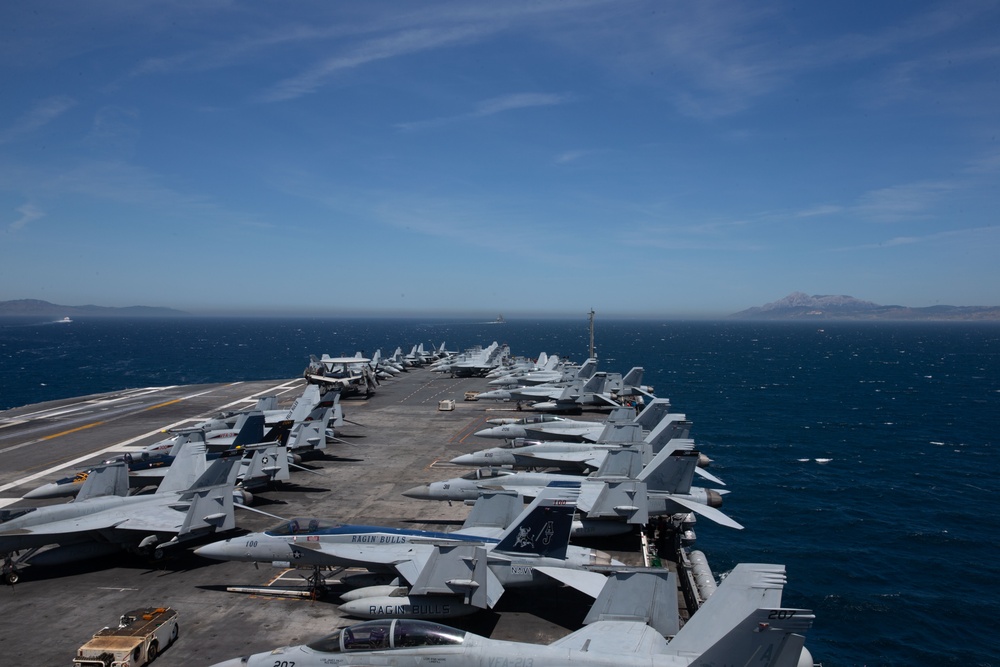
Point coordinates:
[(389, 634), (301, 526), (487, 473)]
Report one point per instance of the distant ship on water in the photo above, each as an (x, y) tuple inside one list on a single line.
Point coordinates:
[(498, 320), (65, 320)]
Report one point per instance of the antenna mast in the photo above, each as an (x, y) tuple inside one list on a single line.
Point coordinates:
[(592, 353)]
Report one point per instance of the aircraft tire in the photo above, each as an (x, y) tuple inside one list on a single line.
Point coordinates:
[(12, 577)]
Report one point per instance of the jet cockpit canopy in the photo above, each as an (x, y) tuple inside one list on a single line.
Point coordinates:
[(389, 634)]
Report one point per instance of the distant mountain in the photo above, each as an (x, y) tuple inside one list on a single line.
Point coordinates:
[(800, 306), (38, 308)]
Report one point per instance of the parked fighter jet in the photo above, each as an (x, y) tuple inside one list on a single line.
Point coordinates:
[(448, 574), (148, 466), (621, 489), (103, 520), (626, 627), (583, 456), (475, 362), (491, 514)]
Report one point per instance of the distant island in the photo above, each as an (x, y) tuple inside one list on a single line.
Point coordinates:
[(800, 306), (39, 308)]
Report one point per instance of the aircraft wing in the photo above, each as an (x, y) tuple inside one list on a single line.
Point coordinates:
[(407, 559), (614, 637), (580, 434), (588, 583), (582, 459)]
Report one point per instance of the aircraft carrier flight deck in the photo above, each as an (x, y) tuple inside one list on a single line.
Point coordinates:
[(392, 441)]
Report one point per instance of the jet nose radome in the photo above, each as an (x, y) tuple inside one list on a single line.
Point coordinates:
[(422, 492), (465, 460), (51, 490), (222, 550)]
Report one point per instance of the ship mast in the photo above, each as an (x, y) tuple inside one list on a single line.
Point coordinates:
[(593, 355)]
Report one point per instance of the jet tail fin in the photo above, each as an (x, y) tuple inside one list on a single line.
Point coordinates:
[(543, 528), (670, 471), (588, 369), (304, 404), (671, 426), (654, 411), (251, 432), (632, 379), (188, 465), (109, 480), (750, 586), (764, 638)]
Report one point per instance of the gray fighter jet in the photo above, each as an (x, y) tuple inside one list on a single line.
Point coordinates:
[(743, 623), (446, 574), (103, 520), (622, 489)]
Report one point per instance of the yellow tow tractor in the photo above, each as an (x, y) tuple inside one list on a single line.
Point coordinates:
[(140, 636)]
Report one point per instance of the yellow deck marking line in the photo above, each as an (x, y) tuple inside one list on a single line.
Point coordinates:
[(72, 430), (162, 405)]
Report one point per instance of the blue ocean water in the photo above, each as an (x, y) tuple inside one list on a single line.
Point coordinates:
[(861, 455)]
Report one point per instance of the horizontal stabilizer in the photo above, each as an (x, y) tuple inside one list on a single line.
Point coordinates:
[(708, 512), (648, 596)]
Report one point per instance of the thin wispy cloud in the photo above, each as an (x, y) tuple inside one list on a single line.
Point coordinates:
[(936, 237), (403, 43), (38, 116), (902, 202), (571, 156), (493, 106), (29, 213)]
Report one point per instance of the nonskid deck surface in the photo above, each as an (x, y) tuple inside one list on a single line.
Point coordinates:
[(397, 439)]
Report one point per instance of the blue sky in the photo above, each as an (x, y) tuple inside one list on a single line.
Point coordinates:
[(651, 158)]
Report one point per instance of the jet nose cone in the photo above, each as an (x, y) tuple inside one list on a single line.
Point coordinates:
[(44, 491), (422, 492), (216, 550), (465, 460), (485, 433)]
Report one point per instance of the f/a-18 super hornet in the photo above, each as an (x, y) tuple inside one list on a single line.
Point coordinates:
[(620, 494), (476, 362), (627, 626), (554, 427), (103, 520), (584, 456), (265, 456), (442, 574)]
